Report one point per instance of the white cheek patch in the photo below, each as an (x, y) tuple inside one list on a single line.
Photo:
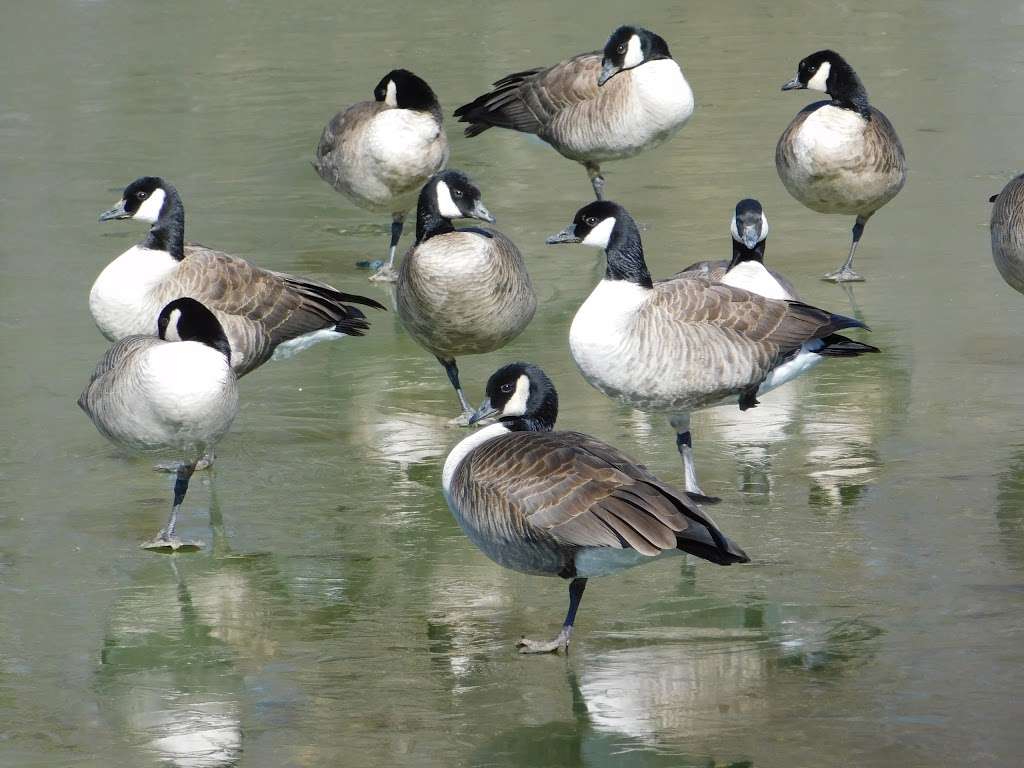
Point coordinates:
[(820, 80), (634, 54), (171, 332), (599, 235), (445, 205), (516, 406), (149, 211), (391, 96), (735, 230), (764, 228)]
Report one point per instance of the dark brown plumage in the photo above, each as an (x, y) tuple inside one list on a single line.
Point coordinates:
[(1007, 230)]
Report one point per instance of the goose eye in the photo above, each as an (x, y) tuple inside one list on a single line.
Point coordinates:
[(589, 221), (508, 388), (457, 193), (621, 48), (141, 195)]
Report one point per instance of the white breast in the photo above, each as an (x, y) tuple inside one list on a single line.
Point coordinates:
[(120, 299), (462, 449), (664, 96), (406, 147), (180, 395), (830, 136), (754, 277), (602, 327)]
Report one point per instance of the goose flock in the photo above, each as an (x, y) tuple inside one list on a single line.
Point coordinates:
[(186, 321)]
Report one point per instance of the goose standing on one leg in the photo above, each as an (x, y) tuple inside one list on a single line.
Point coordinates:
[(839, 156), (563, 503), (263, 313), (746, 269), (687, 343), (380, 153), (172, 392), (461, 291), (594, 106), (1007, 231)]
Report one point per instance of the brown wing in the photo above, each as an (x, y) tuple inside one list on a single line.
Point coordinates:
[(692, 299), (884, 150), (528, 101), (118, 354), (584, 493), (336, 135), (260, 309)]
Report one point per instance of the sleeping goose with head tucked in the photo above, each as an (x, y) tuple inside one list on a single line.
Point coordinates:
[(380, 153), (687, 343), (554, 503), (171, 393), (593, 107)]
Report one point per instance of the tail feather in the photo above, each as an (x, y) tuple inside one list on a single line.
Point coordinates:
[(841, 346)]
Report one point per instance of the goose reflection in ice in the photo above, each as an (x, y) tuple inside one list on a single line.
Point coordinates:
[(591, 736), (177, 653)]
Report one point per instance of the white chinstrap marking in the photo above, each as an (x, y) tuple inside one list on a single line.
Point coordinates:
[(391, 94), (634, 53), (599, 236), (172, 334), (445, 204), (820, 80), (516, 406), (149, 211), (462, 449)]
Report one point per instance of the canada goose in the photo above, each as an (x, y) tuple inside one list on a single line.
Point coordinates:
[(564, 503), (380, 153), (839, 156), (746, 269), (172, 392), (1007, 228), (263, 313), (687, 343), (461, 291), (593, 107)]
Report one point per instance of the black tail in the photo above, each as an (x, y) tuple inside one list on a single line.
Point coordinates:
[(502, 107), (714, 554), (702, 537), (841, 346), (994, 197)]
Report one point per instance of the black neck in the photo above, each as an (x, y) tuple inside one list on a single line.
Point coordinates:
[(429, 221), (847, 91), (168, 233), (220, 343), (536, 423), (741, 253), (625, 254)]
